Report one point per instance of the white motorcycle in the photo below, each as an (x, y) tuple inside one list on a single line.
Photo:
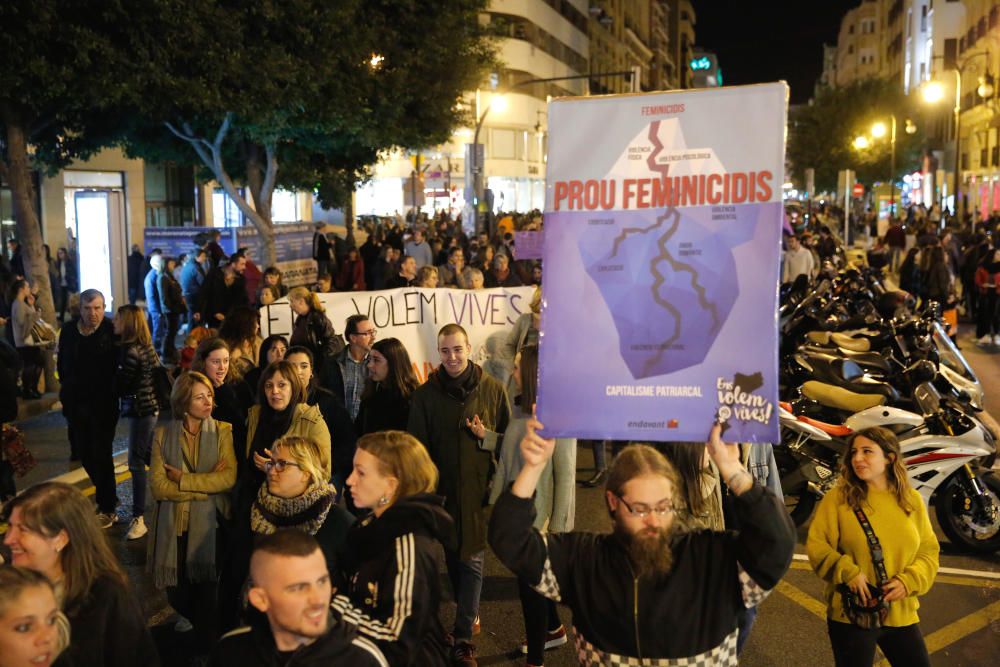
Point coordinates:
[(943, 451)]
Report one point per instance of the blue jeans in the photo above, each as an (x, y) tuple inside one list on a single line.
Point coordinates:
[(158, 328), (467, 585), (140, 447), (745, 624), (600, 454)]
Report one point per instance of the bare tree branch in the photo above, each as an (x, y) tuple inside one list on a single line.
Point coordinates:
[(271, 173)]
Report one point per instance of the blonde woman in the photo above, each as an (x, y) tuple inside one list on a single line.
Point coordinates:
[(193, 467), (312, 328), (389, 574), (134, 387), (874, 488), (427, 276), (33, 632), (298, 495)]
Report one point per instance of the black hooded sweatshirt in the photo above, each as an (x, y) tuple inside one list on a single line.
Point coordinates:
[(253, 646), (390, 580)]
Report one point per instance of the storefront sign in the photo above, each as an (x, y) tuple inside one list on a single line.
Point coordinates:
[(414, 315), (662, 235)]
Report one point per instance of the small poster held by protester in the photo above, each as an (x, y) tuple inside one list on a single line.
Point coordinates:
[(662, 239)]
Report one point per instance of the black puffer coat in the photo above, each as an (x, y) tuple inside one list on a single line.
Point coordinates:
[(134, 380), (315, 331)]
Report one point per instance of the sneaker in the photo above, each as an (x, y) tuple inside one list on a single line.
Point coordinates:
[(996, 340), (476, 627), (183, 625), (136, 529), (106, 519), (464, 655), (553, 639), (985, 340)]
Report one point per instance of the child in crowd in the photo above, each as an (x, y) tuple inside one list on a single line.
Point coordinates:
[(197, 335)]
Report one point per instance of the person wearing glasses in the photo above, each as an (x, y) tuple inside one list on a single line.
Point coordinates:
[(625, 588), (297, 495), (192, 469), (345, 373)]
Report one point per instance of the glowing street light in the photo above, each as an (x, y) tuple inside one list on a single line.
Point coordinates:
[(375, 62), (861, 142), (879, 129), (499, 103), (933, 92)]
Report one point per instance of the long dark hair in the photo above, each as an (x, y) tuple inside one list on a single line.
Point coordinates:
[(688, 459), (240, 326), (529, 377), (266, 345), (401, 377)]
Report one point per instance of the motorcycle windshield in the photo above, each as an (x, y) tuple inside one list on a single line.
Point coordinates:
[(949, 354)]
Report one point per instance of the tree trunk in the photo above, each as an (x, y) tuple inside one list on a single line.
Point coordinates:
[(257, 166), (349, 221), (29, 233)]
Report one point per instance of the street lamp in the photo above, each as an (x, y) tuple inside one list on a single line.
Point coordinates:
[(861, 142), (934, 92)]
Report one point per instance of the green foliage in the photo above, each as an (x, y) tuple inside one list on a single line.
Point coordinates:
[(297, 79), (821, 134)]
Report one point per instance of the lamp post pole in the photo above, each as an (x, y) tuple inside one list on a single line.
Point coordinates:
[(479, 165), (958, 140), (892, 168)]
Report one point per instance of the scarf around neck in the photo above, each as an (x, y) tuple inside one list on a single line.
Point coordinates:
[(306, 512)]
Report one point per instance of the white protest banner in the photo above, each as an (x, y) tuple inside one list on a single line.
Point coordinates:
[(414, 315)]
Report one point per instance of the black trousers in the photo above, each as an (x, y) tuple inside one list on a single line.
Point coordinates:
[(169, 350), (855, 647), (91, 436), (540, 618), (31, 370), (195, 601), (986, 315)]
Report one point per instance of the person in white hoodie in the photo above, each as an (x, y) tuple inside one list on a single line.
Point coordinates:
[(797, 261)]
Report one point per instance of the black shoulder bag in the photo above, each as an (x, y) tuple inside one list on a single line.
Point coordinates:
[(872, 615)]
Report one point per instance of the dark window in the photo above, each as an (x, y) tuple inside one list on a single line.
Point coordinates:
[(950, 53)]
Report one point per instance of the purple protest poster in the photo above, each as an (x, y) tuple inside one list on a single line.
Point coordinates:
[(529, 245), (661, 254)]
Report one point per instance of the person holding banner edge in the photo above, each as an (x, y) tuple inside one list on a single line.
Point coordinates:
[(625, 588)]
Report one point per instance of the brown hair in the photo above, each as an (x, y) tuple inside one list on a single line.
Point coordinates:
[(51, 507), (638, 460), (180, 395), (134, 327), (529, 376), (401, 376), (14, 580), (205, 348), (287, 371), (402, 456), (452, 330), (855, 490)]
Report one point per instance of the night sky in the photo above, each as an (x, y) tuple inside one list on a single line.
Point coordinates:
[(770, 41)]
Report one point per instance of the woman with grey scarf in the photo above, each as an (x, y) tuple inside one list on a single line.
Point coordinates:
[(192, 469)]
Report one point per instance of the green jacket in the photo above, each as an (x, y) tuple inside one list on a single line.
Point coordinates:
[(465, 464)]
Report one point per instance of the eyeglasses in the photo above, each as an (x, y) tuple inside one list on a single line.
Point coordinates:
[(370, 332), (280, 465), (641, 511)]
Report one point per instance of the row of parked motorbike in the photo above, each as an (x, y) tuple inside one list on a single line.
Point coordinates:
[(853, 356)]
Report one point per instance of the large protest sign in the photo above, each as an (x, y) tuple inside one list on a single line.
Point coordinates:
[(415, 314), (662, 232)]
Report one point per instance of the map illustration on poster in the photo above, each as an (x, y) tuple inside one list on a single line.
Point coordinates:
[(666, 223)]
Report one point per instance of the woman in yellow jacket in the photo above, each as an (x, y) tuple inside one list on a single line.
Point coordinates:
[(191, 471), (281, 410), (873, 478)]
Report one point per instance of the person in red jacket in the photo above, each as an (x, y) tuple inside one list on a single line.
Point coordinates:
[(352, 273)]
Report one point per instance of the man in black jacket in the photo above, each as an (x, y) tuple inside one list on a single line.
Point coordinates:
[(223, 289), (86, 363), (292, 623), (648, 591), (322, 252)]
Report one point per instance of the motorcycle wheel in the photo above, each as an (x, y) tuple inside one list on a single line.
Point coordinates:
[(960, 525), (799, 501)]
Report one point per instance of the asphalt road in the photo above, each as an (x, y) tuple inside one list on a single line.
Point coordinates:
[(960, 617)]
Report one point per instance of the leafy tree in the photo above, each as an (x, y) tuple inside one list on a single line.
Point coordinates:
[(821, 134), (64, 64), (301, 94)]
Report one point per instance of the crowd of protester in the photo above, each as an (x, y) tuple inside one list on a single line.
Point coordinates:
[(294, 494)]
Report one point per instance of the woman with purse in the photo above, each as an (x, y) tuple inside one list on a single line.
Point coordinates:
[(23, 316), (193, 467), (134, 386), (872, 542)]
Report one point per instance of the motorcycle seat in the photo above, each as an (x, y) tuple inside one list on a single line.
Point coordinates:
[(836, 430), (852, 344), (819, 337), (839, 398)]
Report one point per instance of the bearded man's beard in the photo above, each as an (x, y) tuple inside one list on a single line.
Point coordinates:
[(650, 550)]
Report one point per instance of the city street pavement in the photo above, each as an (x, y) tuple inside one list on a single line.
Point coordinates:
[(960, 617)]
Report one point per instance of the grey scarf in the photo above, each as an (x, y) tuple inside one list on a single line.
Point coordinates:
[(202, 521)]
